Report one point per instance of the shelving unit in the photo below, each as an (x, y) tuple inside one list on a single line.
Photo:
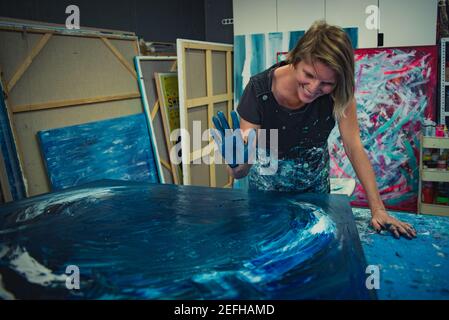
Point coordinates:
[(444, 84), (432, 175)]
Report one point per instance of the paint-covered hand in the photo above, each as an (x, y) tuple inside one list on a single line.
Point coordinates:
[(230, 140), (381, 220)]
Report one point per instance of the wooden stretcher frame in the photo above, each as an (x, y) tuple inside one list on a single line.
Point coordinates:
[(49, 32), (155, 111), (186, 104)]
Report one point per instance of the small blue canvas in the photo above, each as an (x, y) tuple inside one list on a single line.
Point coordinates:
[(119, 149)]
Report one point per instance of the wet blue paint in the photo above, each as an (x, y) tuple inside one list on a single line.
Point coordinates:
[(118, 149), (410, 269), (154, 241), (9, 153)]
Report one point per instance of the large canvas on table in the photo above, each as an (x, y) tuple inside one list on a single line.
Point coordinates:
[(119, 149), (395, 92), (132, 241)]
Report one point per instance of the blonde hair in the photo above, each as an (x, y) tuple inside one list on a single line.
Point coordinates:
[(331, 46)]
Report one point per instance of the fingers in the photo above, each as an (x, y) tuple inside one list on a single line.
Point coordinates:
[(251, 137), (395, 227), (402, 229), (218, 125), (409, 230), (216, 135), (235, 120), (223, 121), (376, 225), (394, 231)]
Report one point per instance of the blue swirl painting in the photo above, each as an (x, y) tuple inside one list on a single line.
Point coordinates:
[(132, 240), (120, 149)]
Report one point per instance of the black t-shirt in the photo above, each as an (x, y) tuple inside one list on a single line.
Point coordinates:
[(306, 127)]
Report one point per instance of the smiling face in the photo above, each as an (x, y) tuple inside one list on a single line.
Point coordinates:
[(313, 80)]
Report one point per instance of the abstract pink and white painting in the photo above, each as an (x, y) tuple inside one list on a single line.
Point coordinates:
[(395, 93)]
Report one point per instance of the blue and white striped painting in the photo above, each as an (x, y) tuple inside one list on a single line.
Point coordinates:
[(253, 53), (119, 149)]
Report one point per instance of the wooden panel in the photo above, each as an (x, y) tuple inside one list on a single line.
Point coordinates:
[(221, 173), (14, 48), (219, 80), (72, 68), (200, 175), (199, 115), (195, 73), (197, 101)]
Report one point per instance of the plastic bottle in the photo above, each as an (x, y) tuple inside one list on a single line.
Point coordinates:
[(427, 192), (426, 158)]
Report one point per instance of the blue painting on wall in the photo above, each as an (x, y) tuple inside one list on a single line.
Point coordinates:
[(253, 53), (132, 240), (9, 153), (119, 149)]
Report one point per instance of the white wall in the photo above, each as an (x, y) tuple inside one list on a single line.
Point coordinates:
[(408, 22), (403, 22), (298, 14), (254, 16), (351, 13)]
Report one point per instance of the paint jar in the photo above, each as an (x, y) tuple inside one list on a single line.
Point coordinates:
[(429, 131), (439, 131), (427, 192), (432, 164), (426, 158), (441, 196)]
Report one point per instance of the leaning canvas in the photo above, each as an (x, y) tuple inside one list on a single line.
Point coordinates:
[(395, 93)]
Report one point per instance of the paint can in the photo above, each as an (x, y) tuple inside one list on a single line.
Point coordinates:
[(439, 131), (427, 192)]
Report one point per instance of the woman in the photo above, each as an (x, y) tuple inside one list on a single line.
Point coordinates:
[(303, 98)]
